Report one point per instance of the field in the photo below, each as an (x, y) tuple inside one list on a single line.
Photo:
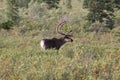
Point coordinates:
[(91, 56)]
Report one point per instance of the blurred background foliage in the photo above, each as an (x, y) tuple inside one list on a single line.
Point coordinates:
[(15, 12)]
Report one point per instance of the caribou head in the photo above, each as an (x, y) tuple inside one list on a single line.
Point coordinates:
[(56, 43)]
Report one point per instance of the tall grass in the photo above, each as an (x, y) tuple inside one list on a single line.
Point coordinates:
[(89, 57)]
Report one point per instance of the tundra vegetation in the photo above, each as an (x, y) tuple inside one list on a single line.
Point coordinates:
[(93, 55)]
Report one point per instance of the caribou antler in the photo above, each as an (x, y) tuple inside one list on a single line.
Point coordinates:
[(58, 29)]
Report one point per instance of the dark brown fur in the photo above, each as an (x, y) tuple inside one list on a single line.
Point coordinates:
[(56, 43)]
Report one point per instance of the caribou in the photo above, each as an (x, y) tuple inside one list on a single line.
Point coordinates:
[(57, 43)]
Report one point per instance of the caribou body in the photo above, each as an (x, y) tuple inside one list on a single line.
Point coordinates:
[(56, 43)]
